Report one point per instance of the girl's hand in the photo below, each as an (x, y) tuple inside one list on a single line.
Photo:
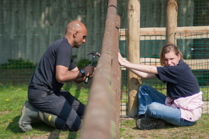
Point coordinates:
[(122, 61)]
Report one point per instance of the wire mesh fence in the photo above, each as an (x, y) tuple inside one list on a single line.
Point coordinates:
[(195, 53), (194, 49), (27, 28)]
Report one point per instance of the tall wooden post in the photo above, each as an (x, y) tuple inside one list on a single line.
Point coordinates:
[(171, 21), (133, 54)]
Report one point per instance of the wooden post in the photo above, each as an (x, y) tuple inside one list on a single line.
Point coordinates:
[(133, 54), (171, 21)]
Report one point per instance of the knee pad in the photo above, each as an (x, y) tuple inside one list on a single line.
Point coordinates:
[(75, 126), (60, 124)]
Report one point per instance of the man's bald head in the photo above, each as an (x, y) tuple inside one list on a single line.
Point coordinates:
[(76, 33), (74, 26)]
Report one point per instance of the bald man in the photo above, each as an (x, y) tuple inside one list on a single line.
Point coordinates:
[(46, 100)]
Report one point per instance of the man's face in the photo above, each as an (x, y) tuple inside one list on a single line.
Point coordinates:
[(80, 37), (171, 59)]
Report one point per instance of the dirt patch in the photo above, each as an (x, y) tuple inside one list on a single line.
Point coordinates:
[(52, 135), (205, 107), (3, 112), (125, 119)]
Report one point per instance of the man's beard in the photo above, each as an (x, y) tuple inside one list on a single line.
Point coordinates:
[(76, 46)]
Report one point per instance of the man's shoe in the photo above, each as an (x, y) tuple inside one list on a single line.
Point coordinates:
[(29, 114), (150, 123)]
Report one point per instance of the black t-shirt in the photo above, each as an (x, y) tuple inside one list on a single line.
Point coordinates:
[(180, 80), (58, 53)]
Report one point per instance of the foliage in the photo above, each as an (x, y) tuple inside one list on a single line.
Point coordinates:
[(12, 98), (202, 77), (18, 64), (11, 101), (85, 62), (26, 64), (155, 56), (74, 56)]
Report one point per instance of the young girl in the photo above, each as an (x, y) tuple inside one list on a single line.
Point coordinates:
[(183, 104)]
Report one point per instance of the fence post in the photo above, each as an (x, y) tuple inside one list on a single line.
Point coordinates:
[(133, 54), (171, 21), (101, 118)]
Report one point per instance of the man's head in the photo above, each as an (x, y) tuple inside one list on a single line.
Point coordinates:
[(76, 33), (170, 55)]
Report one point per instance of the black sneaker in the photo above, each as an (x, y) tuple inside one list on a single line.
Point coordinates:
[(150, 123), (141, 116)]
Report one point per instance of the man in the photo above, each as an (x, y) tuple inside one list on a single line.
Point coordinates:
[(47, 102)]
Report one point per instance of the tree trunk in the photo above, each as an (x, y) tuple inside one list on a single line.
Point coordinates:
[(171, 21), (133, 54)]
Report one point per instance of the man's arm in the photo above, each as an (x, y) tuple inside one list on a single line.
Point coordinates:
[(64, 75), (79, 79)]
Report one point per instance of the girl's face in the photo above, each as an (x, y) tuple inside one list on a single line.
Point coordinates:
[(171, 59)]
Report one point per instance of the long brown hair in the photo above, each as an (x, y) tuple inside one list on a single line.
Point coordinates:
[(166, 49)]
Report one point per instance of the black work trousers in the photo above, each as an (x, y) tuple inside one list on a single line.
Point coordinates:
[(68, 109)]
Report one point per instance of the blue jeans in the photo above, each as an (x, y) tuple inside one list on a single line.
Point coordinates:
[(152, 103)]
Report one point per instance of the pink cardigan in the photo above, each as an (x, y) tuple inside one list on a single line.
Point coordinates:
[(191, 106)]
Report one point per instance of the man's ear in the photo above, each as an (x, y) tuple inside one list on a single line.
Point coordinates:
[(75, 34)]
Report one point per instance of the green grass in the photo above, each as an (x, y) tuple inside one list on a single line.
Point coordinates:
[(11, 100), (128, 130)]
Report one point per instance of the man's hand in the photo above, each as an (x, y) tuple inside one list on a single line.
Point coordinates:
[(89, 70), (93, 73)]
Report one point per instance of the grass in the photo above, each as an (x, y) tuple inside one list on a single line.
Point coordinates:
[(12, 98), (200, 130)]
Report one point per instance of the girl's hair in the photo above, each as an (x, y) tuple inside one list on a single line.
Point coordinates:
[(167, 49)]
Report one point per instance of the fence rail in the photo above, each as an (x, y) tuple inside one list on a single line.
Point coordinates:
[(194, 32), (102, 113)]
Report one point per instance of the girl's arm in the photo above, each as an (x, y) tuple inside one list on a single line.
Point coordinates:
[(144, 71), (143, 74)]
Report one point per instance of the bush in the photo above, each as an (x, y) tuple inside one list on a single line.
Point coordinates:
[(85, 62), (18, 64)]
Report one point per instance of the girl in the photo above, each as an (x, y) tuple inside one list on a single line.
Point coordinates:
[(183, 104)]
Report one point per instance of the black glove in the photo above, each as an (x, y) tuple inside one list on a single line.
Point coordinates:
[(89, 69)]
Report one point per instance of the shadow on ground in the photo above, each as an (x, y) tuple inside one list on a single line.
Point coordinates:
[(167, 125), (52, 133), (78, 87)]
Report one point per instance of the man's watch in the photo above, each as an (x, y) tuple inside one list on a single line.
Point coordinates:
[(83, 72)]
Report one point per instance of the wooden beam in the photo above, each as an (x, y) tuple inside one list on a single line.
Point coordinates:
[(133, 52), (191, 32), (153, 31), (194, 64), (171, 21)]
